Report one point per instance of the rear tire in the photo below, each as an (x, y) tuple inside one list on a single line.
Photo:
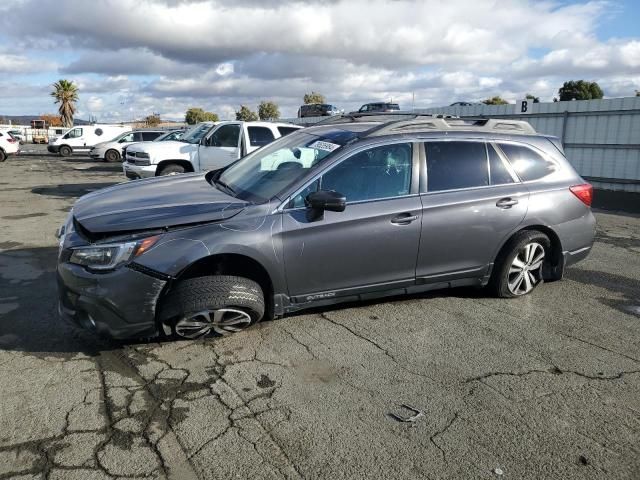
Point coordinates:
[(112, 156), (519, 267), (65, 151), (220, 304), (172, 169), (3, 156)]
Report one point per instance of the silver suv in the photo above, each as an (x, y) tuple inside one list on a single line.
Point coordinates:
[(362, 206)]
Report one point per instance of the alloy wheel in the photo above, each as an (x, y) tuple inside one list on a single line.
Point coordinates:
[(526, 269), (222, 321)]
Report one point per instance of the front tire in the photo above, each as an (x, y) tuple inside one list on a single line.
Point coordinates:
[(172, 169), (519, 268), (112, 156), (65, 151), (220, 304)]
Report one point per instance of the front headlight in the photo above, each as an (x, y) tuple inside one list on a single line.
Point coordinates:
[(110, 256)]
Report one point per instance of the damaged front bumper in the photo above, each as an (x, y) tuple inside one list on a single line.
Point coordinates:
[(119, 304)]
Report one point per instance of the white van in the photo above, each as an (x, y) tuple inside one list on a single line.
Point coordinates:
[(82, 138)]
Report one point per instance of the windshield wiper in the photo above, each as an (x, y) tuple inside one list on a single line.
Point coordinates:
[(224, 185)]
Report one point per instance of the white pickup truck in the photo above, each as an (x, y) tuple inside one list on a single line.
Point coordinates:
[(207, 146)]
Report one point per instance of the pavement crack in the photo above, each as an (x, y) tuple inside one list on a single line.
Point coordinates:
[(582, 340), (376, 345), (441, 432)]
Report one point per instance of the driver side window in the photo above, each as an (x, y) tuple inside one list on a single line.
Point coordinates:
[(75, 133), (381, 172), (225, 136)]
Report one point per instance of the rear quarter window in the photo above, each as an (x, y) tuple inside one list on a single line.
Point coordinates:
[(528, 164), (260, 136)]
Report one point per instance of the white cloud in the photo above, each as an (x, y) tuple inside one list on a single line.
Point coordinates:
[(143, 56)]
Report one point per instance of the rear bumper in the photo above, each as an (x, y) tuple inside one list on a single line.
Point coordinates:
[(119, 304), (573, 257)]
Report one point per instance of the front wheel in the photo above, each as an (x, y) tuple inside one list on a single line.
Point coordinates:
[(112, 156), (65, 151), (220, 304), (172, 169), (519, 270)]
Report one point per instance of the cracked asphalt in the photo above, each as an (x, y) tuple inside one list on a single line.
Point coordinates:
[(546, 386)]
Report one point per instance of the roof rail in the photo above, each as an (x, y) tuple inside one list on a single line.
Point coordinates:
[(423, 122), (376, 117)]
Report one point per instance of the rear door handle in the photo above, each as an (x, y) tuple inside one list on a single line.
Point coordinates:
[(404, 219), (506, 202)]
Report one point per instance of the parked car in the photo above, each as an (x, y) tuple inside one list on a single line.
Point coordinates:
[(112, 151), (169, 136), (207, 146), (18, 135), (82, 138), (357, 208), (8, 145), (317, 110), (378, 107), (463, 104)]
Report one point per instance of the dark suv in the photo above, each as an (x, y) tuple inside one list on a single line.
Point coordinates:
[(357, 208), (317, 110), (379, 107)]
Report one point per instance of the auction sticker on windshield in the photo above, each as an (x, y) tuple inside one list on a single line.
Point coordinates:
[(326, 146)]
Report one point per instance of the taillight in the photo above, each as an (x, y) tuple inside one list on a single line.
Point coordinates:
[(584, 192), (11, 140)]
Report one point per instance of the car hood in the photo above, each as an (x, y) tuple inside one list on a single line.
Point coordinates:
[(155, 203)]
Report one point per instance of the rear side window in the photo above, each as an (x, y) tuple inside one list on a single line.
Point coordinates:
[(286, 130), (260, 136), (527, 164), (149, 136), (453, 165), (497, 169)]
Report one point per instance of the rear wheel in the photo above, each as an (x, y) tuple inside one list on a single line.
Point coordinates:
[(519, 270), (220, 304), (3, 156), (65, 151), (112, 156), (172, 169)]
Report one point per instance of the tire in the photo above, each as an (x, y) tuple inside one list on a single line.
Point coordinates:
[(519, 267), (3, 156), (220, 304), (112, 156), (172, 169), (65, 151)]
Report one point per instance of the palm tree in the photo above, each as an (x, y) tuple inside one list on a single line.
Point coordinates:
[(66, 94)]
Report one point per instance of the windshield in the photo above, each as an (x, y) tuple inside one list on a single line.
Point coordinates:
[(196, 133), (266, 172)]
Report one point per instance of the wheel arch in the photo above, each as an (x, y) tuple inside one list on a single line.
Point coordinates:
[(555, 267), (188, 166), (236, 264)]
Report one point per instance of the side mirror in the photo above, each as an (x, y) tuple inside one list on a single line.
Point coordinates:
[(318, 202)]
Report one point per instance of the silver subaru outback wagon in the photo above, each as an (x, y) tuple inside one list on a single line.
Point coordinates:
[(358, 207)]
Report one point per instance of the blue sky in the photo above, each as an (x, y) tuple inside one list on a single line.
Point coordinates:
[(135, 57)]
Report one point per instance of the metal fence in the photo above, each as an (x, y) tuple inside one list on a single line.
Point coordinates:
[(601, 138)]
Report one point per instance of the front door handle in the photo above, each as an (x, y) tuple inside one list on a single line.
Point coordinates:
[(506, 202), (404, 219)]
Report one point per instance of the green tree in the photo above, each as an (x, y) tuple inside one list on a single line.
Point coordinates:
[(246, 115), (535, 99), (196, 115), (580, 90), (313, 97), (66, 94), (152, 120), (497, 100), (268, 110)]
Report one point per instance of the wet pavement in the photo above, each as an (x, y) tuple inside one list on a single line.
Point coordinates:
[(546, 386)]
